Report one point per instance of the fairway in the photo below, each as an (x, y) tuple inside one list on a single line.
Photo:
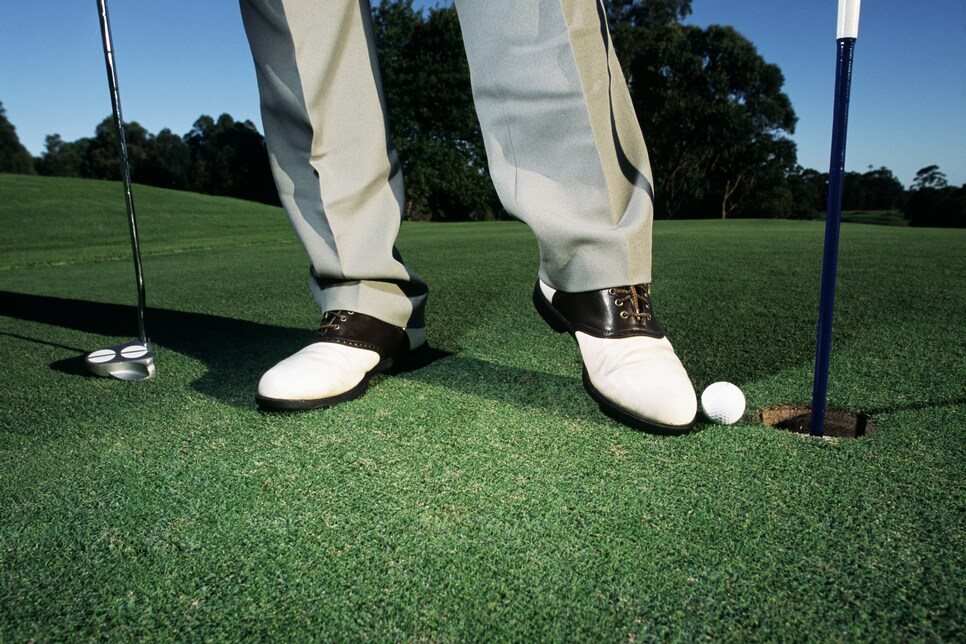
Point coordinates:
[(484, 496)]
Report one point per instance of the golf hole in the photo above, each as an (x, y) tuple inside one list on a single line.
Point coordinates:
[(798, 419)]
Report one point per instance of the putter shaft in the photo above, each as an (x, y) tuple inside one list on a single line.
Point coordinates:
[(125, 162)]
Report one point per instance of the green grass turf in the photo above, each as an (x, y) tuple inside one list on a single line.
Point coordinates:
[(881, 217), (483, 497)]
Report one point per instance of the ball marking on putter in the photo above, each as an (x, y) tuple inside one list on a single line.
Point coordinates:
[(134, 351), (101, 355), (723, 403)]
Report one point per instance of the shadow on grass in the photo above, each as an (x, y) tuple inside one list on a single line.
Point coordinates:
[(237, 352), (544, 393)]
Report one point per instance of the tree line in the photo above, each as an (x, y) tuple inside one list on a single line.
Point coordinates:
[(715, 118), (217, 157)]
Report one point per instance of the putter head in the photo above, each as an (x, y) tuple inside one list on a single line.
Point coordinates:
[(132, 360)]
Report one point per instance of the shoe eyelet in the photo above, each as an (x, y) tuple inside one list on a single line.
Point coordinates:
[(625, 315), (611, 291), (343, 318), (618, 302), (336, 327)]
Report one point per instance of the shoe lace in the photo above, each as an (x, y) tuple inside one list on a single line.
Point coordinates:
[(332, 320), (639, 298)]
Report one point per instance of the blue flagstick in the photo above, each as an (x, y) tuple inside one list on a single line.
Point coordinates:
[(848, 27)]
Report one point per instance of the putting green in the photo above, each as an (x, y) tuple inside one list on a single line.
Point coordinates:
[(483, 497)]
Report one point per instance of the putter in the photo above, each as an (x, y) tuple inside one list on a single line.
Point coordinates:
[(132, 360), (848, 31)]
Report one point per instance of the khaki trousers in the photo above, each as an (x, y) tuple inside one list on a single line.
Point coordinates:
[(563, 144)]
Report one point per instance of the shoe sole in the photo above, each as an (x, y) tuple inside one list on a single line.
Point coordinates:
[(559, 323), (400, 362)]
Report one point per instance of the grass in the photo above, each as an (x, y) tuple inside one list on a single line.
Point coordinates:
[(483, 497), (881, 217)]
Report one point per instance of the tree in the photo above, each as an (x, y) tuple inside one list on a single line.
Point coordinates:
[(431, 113), (809, 192), (929, 177), (63, 159), (877, 189), (933, 202), (712, 110), (627, 19), (943, 207), (103, 156), (222, 157), (884, 190), (167, 163), (651, 13), (14, 157), (648, 38), (229, 158)]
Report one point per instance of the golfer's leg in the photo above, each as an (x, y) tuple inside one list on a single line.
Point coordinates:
[(567, 156), (339, 181), (564, 147), (337, 174)]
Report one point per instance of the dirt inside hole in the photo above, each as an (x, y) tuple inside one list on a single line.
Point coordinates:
[(798, 419)]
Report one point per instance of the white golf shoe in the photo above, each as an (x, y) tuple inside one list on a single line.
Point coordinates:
[(348, 350), (630, 367)]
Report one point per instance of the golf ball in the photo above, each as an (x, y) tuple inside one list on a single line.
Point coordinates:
[(723, 403)]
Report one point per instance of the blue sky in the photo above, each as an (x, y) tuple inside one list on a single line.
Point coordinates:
[(179, 59)]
